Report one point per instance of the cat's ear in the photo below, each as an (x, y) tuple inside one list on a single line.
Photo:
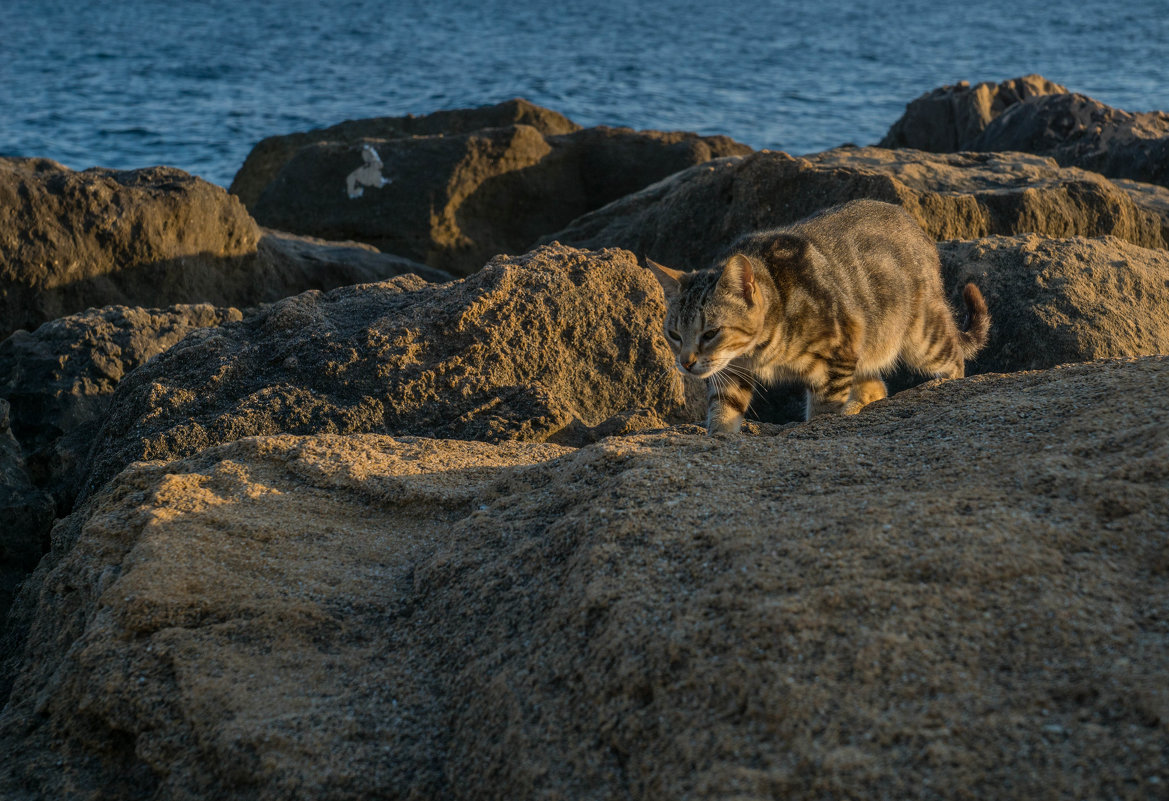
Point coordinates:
[(669, 279), (738, 278)]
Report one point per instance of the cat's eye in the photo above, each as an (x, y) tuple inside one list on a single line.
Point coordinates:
[(674, 336), (711, 334)]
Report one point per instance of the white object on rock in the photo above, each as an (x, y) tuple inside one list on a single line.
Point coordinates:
[(368, 174)]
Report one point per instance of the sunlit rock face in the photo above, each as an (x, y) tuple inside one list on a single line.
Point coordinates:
[(957, 587)]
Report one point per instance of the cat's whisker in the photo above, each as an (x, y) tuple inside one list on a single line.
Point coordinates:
[(746, 375)]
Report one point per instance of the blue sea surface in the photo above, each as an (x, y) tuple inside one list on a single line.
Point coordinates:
[(133, 83)]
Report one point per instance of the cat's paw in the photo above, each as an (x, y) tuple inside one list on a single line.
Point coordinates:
[(724, 430), (852, 407)]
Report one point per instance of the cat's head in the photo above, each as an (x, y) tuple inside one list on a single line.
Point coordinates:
[(712, 316)]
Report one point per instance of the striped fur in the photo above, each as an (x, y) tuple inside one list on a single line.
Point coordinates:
[(834, 301)]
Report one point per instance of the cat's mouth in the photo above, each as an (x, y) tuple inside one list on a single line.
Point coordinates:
[(705, 370)]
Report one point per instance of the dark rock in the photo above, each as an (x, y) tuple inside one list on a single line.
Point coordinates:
[(307, 262), (688, 219), (153, 237), (949, 118), (1078, 131), (60, 379), (522, 350), (453, 201), (270, 155), (26, 513)]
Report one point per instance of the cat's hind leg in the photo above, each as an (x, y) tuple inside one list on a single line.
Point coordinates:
[(727, 398), (936, 348), (864, 391), (830, 388)]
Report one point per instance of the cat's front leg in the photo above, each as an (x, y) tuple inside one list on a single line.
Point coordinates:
[(727, 399)]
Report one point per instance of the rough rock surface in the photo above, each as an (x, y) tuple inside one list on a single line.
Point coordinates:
[(959, 593), (271, 154), (153, 237), (453, 201), (1078, 131), (60, 378), (292, 263), (70, 239), (1055, 301), (25, 515), (950, 118), (544, 345), (689, 218)]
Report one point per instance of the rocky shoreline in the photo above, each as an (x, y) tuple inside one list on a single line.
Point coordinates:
[(372, 477)]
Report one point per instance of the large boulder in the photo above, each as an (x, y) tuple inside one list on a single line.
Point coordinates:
[(688, 219), (288, 264), (26, 513), (453, 201), (547, 345), (60, 378), (1078, 131), (1063, 300), (950, 118), (153, 237), (270, 155), (958, 593)]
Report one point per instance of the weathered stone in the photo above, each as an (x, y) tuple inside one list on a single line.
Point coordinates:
[(1078, 131), (1054, 301), (295, 263), (153, 237), (530, 348), (1149, 196), (26, 513), (950, 118), (271, 154), (688, 219), (454, 201), (69, 239), (957, 593), (60, 378)]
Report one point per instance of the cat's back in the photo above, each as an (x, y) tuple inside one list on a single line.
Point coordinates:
[(861, 240), (862, 223)]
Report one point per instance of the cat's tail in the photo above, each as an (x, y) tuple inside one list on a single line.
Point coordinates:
[(976, 326)]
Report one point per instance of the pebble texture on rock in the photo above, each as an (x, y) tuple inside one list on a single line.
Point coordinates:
[(688, 219), (958, 593), (455, 200), (537, 346)]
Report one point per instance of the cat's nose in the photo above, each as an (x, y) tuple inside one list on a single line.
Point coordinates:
[(688, 362)]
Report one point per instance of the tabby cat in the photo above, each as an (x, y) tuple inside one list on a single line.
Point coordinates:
[(832, 301)]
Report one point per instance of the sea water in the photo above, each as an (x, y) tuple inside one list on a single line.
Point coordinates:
[(132, 83)]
